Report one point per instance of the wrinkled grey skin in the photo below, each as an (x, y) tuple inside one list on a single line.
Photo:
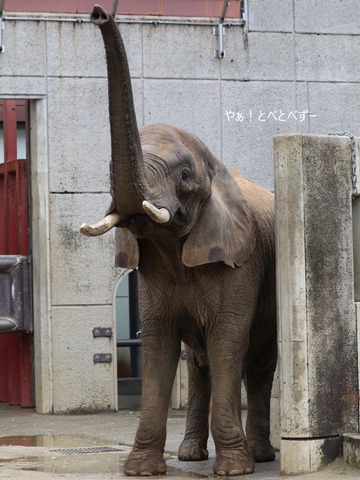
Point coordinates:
[(204, 245)]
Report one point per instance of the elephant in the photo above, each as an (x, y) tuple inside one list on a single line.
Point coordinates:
[(202, 238)]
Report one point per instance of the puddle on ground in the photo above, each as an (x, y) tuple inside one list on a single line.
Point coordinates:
[(106, 465), (67, 454), (178, 472), (56, 441)]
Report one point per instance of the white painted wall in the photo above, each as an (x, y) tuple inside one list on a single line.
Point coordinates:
[(290, 58)]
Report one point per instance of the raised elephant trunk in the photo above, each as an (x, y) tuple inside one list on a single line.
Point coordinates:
[(128, 185), (129, 189)]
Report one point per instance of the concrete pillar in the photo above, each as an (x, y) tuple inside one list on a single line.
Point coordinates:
[(316, 310), (356, 239), (41, 256)]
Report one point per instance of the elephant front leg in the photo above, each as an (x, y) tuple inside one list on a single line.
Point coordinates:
[(160, 357), (194, 445), (232, 453)]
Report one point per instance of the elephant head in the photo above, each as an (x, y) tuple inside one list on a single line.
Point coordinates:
[(166, 181)]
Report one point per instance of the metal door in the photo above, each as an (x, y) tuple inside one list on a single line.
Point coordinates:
[(15, 284)]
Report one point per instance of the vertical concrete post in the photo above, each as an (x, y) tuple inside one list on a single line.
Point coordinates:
[(316, 310), (356, 253), (41, 257), (356, 224)]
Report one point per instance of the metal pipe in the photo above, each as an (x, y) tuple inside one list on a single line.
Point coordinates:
[(219, 31), (226, 3), (125, 21), (2, 6), (243, 11), (129, 342), (115, 5)]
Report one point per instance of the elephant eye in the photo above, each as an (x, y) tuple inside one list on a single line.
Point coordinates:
[(185, 174)]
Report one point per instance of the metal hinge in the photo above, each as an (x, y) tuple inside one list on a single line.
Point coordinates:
[(102, 332), (102, 358)]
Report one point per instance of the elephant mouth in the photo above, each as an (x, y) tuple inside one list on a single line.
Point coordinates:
[(142, 225), (180, 225), (180, 219)]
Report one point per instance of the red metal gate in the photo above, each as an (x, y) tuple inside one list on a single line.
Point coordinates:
[(15, 347)]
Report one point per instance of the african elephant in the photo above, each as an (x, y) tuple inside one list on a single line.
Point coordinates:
[(202, 238)]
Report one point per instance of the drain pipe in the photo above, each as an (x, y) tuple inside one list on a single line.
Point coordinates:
[(115, 5), (2, 6), (219, 31)]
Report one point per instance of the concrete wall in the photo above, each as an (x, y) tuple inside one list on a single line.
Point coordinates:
[(291, 57)]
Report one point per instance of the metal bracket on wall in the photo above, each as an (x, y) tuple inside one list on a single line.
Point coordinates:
[(102, 332), (102, 358), (219, 29)]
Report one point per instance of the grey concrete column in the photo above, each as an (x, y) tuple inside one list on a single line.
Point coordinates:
[(43, 364), (316, 311)]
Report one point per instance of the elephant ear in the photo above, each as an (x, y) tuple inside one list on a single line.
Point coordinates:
[(225, 231), (126, 249)]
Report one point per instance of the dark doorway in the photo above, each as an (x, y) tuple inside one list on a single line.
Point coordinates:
[(128, 329)]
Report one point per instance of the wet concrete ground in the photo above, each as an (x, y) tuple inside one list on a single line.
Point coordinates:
[(94, 447)]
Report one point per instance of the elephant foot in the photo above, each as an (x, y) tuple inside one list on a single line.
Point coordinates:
[(231, 463), (144, 463), (262, 451), (190, 450)]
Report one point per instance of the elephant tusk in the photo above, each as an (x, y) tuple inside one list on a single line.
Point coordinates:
[(101, 227), (159, 215)]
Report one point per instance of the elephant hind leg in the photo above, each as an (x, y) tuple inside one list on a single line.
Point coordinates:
[(259, 384), (194, 444)]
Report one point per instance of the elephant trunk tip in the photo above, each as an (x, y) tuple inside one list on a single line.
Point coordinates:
[(99, 16)]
